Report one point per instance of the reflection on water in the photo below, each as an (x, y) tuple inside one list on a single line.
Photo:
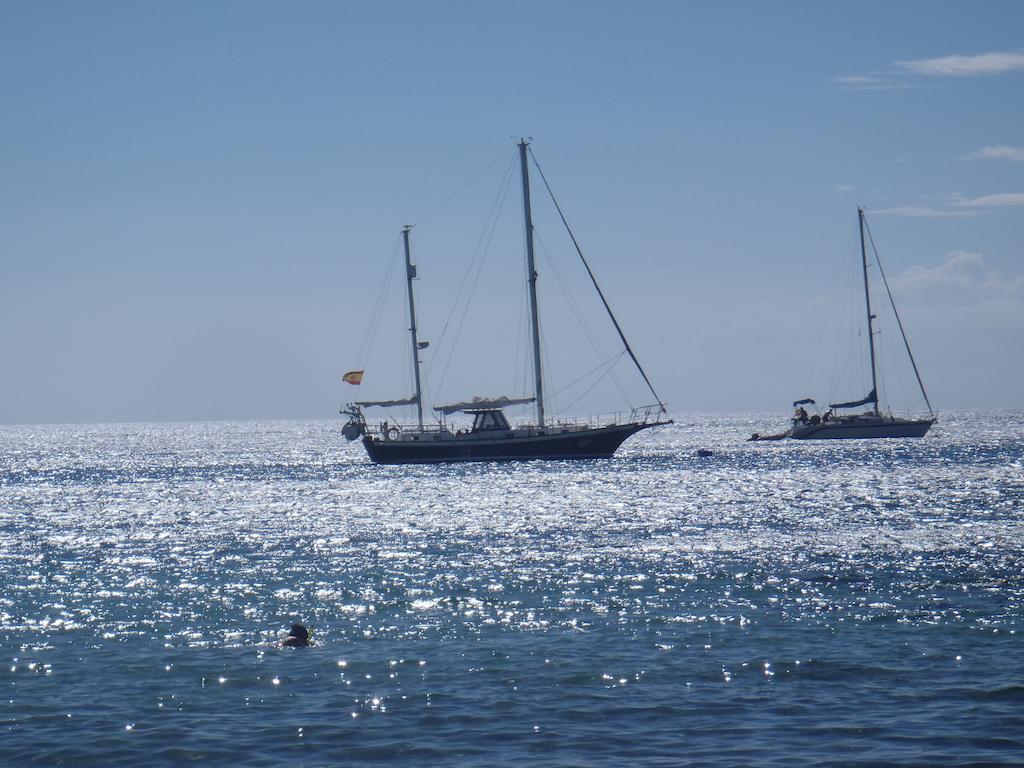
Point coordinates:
[(789, 602)]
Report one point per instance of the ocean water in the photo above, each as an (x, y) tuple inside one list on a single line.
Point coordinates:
[(847, 603)]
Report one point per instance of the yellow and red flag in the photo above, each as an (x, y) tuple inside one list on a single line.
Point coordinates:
[(353, 377)]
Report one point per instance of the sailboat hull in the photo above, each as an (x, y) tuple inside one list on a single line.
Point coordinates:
[(599, 443), (863, 429)]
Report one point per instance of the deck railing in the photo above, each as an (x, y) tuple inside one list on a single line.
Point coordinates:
[(644, 414)]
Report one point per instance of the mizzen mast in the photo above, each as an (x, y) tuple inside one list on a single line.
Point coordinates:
[(410, 274)]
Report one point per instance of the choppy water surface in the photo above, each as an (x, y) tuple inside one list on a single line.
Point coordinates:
[(781, 603)]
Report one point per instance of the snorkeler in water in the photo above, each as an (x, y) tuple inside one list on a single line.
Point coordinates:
[(298, 637)]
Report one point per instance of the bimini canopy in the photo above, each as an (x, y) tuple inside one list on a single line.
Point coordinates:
[(387, 403), (805, 401), (483, 404), (871, 398)]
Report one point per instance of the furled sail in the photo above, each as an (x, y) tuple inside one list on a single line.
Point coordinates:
[(871, 398), (483, 403), (387, 403)]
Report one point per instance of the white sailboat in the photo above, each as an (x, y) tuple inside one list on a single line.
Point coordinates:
[(837, 423)]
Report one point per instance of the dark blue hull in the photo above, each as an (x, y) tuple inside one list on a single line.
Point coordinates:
[(597, 443)]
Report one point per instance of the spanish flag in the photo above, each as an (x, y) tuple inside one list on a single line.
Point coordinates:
[(353, 377)]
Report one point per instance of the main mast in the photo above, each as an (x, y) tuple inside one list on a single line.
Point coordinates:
[(410, 273), (867, 302), (538, 387)]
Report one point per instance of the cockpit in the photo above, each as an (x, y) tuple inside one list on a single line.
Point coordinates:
[(489, 421)]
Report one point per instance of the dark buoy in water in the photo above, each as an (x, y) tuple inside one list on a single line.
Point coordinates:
[(298, 637), (704, 453)]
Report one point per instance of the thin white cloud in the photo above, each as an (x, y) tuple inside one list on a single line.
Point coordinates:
[(959, 268), (845, 187), (1005, 200), (924, 212), (957, 207), (859, 80), (962, 300), (968, 274), (966, 66), (1013, 154), (869, 83)]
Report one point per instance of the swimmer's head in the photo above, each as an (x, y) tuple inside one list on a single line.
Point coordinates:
[(298, 637)]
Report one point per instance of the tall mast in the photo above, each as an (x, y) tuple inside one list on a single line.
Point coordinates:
[(410, 273), (538, 388), (867, 302)]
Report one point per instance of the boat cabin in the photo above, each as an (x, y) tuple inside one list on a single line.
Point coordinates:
[(489, 420)]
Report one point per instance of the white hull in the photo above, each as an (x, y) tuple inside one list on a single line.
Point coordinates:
[(839, 422), (862, 429)]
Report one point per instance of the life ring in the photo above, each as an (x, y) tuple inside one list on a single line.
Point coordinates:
[(392, 433)]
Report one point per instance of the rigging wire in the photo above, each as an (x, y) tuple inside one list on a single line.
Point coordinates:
[(462, 189), (593, 279), (375, 315), (588, 332), (849, 334), (893, 369), (475, 255), (519, 348), (836, 284), (609, 364), (859, 354), (599, 379), (881, 365), (549, 399), (899, 322), (477, 260), (899, 390)]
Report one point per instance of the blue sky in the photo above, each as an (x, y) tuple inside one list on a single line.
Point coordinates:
[(199, 201)]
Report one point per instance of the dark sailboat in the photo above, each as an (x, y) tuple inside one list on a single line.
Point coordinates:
[(869, 424), (491, 436)]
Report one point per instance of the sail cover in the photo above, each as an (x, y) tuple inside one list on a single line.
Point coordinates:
[(871, 398), (387, 403), (805, 401), (483, 403)]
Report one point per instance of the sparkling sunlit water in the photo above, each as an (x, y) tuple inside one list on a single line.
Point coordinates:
[(777, 603)]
